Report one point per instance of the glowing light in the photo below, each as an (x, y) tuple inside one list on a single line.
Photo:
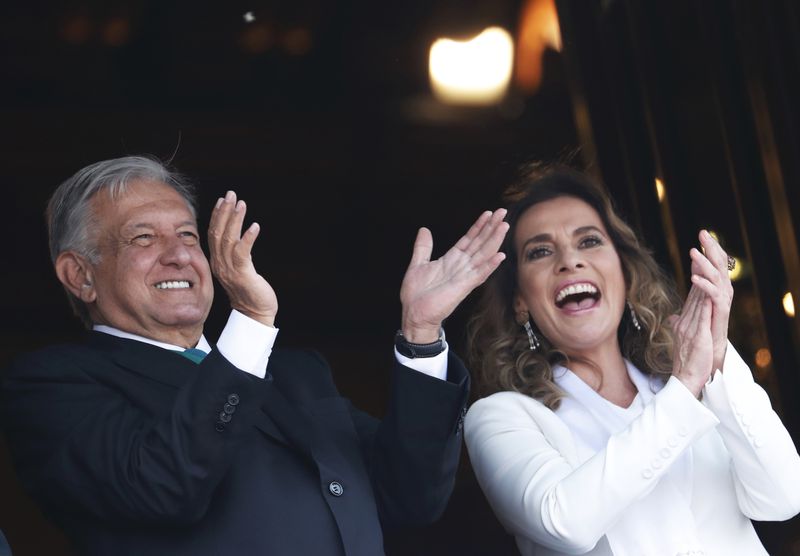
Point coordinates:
[(788, 304), (256, 38), (297, 41), (660, 191), (763, 358), (249, 17), (714, 234), (116, 32), (538, 30), (736, 273), (475, 71)]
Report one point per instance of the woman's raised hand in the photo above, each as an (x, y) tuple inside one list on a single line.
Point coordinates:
[(710, 275), (693, 349)]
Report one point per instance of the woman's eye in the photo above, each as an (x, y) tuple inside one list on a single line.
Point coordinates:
[(189, 237), (591, 241), (536, 253)]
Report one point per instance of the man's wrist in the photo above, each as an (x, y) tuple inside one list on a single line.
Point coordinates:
[(415, 350)]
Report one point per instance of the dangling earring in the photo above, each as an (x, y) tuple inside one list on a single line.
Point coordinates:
[(533, 339), (634, 318), (524, 320)]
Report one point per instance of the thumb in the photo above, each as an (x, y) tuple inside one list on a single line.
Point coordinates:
[(423, 246)]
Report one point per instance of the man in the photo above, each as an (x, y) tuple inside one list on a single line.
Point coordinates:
[(135, 448)]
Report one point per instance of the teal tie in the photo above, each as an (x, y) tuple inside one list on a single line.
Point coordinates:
[(194, 354)]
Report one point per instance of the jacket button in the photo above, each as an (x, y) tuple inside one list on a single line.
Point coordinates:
[(229, 409), (224, 417), (219, 426), (336, 488), (656, 464), (673, 442), (233, 399)]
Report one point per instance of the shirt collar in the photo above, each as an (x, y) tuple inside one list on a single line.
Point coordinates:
[(202, 344)]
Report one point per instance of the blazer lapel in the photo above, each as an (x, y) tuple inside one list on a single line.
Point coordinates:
[(145, 359), (280, 419)]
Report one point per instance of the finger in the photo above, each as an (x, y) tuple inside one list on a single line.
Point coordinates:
[(688, 305), (702, 266), (233, 227), (490, 237), (706, 286), (485, 270), (423, 246), (219, 219), (244, 247), (491, 245), (714, 252), (474, 231)]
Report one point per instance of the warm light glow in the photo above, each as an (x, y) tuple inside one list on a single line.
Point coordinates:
[(538, 30), (763, 358), (475, 71), (788, 304), (714, 234), (736, 273), (660, 191)]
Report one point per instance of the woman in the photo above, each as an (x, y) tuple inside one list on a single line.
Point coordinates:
[(614, 427)]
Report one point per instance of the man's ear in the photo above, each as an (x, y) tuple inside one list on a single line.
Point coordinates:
[(77, 275)]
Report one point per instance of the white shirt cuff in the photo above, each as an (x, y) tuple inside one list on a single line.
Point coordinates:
[(247, 343), (435, 366)]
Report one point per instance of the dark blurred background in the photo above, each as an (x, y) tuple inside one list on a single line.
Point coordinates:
[(322, 115)]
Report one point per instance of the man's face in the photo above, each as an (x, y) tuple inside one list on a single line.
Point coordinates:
[(153, 278)]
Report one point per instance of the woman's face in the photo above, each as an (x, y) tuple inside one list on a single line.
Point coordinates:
[(569, 275)]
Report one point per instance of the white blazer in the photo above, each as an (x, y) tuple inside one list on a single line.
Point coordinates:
[(742, 465)]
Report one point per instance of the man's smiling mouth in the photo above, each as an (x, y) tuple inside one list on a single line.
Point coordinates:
[(173, 285)]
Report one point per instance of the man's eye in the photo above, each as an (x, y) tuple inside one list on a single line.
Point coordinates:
[(189, 237), (591, 241), (144, 239), (536, 253)]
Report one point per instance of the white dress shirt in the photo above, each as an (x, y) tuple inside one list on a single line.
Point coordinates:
[(247, 344)]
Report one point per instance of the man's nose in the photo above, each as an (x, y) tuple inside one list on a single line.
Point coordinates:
[(175, 253)]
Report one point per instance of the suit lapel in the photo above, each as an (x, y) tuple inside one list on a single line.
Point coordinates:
[(281, 419), (145, 359)]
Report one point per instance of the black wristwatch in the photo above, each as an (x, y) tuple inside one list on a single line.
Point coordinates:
[(413, 351)]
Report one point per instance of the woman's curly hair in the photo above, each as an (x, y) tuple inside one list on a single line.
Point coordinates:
[(499, 349)]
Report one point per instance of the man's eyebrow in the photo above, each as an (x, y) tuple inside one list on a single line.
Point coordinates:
[(147, 225)]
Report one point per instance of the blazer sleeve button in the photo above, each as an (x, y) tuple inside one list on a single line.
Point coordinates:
[(336, 488), (233, 399), (224, 417), (219, 426)]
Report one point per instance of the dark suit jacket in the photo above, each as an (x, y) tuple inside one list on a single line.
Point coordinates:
[(5, 550), (130, 449)]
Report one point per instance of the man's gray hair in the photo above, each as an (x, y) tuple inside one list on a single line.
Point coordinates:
[(69, 212)]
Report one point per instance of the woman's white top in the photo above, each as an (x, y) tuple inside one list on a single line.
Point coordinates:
[(668, 475)]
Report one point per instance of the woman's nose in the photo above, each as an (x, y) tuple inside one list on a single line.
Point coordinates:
[(570, 259)]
